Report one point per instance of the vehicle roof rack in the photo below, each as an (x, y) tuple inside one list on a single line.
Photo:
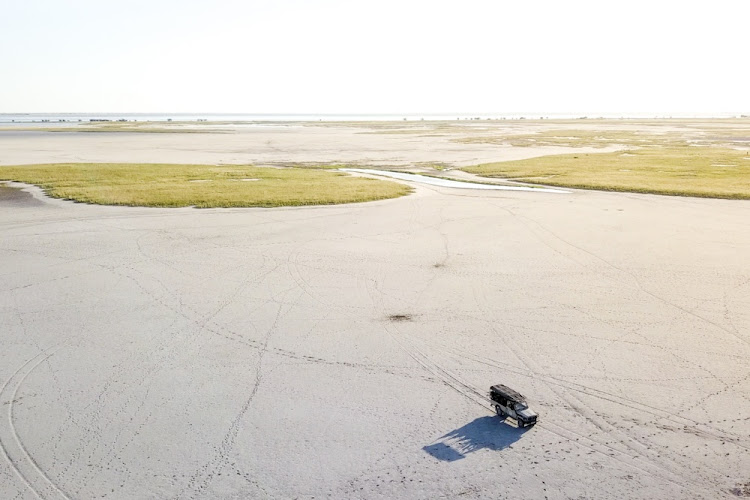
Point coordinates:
[(508, 393)]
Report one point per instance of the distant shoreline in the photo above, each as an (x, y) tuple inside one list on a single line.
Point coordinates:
[(27, 118)]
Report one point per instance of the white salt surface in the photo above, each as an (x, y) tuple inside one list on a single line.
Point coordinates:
[(345, 351)]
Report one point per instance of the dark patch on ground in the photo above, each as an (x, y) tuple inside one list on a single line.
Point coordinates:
[(14, 197), (400, 317), (741, 490)]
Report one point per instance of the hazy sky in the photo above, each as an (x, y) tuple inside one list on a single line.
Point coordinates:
[(379, 56)]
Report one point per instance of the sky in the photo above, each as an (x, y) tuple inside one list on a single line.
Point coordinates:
[(381, 56)]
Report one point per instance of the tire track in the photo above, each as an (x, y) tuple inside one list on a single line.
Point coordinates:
[(526, 220), (14, 451), (633, 447), (607, 428), (674, 418), (629, 457), (202, 478)]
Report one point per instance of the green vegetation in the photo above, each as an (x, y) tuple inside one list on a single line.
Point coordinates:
[(580, 138), (686, 171), (169, 185), (604, 133)]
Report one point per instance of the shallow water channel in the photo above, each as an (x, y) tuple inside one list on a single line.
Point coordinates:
[(435, 181)]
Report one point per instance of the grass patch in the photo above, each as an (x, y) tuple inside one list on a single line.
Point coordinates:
[(600, 134), (580, 138), (686, 171), (204, 186)]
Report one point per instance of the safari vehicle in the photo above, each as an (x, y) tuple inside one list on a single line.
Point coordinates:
[(509, 403)]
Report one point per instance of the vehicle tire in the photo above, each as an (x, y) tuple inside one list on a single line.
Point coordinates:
[(500, 412), (521, 424)]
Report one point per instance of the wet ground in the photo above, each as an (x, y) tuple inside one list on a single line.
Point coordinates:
[(16, 197), (450, 183)]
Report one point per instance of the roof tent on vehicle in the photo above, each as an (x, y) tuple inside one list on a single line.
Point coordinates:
[(507, 393)]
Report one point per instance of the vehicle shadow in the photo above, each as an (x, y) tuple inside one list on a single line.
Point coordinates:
[(487, 432)]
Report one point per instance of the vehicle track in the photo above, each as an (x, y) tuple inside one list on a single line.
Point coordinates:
[(633, 447), (14, 451), (612, 268), (629, 458), (607, 396)]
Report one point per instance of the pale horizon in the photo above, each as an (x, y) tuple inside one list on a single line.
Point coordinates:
[(432, 115), (387, 57)]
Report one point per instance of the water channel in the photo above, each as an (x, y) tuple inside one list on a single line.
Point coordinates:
[(435, 181)]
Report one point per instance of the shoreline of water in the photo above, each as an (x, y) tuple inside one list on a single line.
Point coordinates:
[(67, 118)]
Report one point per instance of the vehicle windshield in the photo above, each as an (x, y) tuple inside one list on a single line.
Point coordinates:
[(520, 407)]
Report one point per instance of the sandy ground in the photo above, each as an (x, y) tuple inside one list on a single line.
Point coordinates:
[(252, 353), (267, 145)]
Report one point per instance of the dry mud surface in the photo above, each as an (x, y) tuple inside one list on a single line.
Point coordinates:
[(346, 351), (276, 144)]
